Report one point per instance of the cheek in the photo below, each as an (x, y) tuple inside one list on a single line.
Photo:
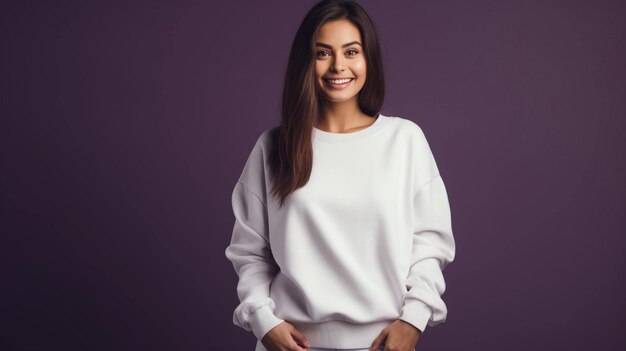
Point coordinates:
[(360, 67), (319, 70)]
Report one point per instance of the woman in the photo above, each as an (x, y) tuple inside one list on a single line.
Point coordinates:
[(342, 223)]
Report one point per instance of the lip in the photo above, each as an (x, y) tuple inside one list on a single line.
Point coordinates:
[(338, 86)]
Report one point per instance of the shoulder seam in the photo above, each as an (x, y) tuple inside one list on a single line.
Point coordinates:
[(252, 192), (419, 188)]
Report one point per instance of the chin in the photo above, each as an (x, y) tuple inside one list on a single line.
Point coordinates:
[(337, 99)]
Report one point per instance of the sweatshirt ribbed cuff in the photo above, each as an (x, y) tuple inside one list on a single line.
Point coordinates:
[(262, 321), (416, 313)]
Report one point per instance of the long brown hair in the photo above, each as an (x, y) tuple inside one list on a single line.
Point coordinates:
[(291, 158)]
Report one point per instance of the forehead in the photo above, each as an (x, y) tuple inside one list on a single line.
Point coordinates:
[(338, 32)]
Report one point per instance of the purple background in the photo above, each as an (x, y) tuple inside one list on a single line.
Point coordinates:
[(125, 125)]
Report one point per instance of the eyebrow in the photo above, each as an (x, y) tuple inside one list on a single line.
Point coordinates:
[(343, 46)]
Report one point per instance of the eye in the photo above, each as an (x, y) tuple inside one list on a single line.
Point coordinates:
[(354, 53)]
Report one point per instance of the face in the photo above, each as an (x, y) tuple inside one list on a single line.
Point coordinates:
[(339, 54)]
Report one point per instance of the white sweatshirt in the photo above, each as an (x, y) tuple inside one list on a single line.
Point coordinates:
[(362, 244)]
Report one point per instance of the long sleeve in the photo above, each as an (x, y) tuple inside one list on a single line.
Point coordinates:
[(250, 252), (433, 248), (433, 243)]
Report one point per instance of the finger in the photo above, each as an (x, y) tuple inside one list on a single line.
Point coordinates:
[(299, 337), (379, 340), (296, 347)]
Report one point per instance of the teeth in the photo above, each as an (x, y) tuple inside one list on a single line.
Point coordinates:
[(340, 81)]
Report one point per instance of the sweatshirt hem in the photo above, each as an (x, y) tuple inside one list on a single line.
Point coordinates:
[(341, 334)]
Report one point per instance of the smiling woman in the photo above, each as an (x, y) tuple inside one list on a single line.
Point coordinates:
[(340, 69), (342, 223)]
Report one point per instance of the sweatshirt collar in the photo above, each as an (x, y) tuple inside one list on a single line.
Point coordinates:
[(342, 137)]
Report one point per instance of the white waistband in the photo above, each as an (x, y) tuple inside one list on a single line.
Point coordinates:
[(341, 334)]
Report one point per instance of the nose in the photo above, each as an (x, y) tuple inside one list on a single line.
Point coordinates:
[(338, 64)]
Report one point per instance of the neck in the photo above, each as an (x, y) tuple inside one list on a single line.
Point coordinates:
[(341, 115)]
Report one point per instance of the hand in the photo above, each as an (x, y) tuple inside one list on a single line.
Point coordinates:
[(285, 337), (398, 336)]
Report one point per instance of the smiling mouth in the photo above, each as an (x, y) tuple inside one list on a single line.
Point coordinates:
[(338, 83)]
